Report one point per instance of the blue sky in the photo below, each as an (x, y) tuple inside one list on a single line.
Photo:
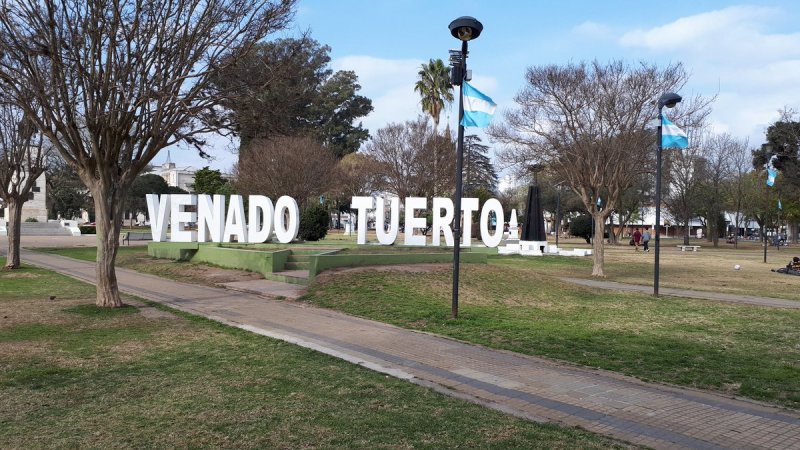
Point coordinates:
[(748, 53)]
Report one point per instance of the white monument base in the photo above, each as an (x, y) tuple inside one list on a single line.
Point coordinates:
[(532, 248)]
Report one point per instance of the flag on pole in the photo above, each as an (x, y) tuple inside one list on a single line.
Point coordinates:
[(478, 107), (672, 136), (780, 207), (771, 174)]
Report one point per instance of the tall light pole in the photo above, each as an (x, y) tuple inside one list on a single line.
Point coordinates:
[(670, 99), (464, 29), (558, 212)]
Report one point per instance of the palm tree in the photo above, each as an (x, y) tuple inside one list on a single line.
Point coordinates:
[(435, 89)]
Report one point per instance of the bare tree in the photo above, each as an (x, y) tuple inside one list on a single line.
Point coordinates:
[(739, 165), (299, 167), (414, 159), (683, 176), (113, 82), (592, 124), (22, 161)]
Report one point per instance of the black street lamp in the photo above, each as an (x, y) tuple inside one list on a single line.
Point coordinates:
[(464, 29), (558, 212), (670, 99)]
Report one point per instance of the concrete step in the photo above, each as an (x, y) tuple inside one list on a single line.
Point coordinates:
[(299, 258), (43, 229), (292, 265), (289, 276)]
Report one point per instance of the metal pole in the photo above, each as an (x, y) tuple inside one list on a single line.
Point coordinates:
[(459, 168), (558, 214), (657, 227)]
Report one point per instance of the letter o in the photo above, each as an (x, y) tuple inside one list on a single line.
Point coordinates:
[(286, 232)]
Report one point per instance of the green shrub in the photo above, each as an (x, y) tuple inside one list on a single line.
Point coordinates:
[(31, 219), (314, 223), (581, 226), (87, 229)]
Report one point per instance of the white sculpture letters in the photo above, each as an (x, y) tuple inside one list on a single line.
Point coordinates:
[(215, 224)]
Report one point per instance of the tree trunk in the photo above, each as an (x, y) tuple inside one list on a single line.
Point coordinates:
[(597, 247), (612, 233), (108, 217), (686, 231), (13, 229)]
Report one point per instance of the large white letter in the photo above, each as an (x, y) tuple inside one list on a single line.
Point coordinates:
[(412, 204), (286, 232), (387, 237), (179, 218), (234, 223), (210, 218), (491, 205), (158, 216), (441, 224), (468, 206), (362, 204), (260, 206)]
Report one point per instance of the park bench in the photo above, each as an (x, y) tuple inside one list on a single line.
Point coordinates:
[(693, 248), (125, 236)]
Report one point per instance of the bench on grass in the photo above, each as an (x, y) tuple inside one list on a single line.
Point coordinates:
[(125, 236), (693, 248)]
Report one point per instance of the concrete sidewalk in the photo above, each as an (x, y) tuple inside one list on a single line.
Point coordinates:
[(607, 403)]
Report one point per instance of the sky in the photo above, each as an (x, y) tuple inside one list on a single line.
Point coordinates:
[(748, 54)]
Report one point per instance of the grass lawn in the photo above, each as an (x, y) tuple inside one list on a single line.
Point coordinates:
[(75, 376), (519, 304), (741, 350), (709, 269)]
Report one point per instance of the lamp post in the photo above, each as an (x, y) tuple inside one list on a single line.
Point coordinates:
[(670, 99), (558, 212), (464, 29)]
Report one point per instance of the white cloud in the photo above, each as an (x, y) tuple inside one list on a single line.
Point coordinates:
[(592, 30), (732, 52)]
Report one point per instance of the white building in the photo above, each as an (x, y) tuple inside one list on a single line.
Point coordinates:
[(182, 177), (35, 207)]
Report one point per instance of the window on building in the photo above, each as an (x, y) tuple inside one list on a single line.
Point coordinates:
[(36, 189), (30, 195)]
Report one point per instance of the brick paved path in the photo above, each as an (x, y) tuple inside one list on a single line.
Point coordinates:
[(603, 402)]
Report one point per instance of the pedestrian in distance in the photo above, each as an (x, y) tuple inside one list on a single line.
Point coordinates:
[(637, 238), (646, 240)]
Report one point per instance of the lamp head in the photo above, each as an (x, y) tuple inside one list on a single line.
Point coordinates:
[(670, 99), (465, 28)]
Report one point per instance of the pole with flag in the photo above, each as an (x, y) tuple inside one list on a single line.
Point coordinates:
[(668, 136)]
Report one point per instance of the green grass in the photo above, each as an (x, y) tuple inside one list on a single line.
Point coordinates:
[(90, 253), (73, 376), (742, 350)]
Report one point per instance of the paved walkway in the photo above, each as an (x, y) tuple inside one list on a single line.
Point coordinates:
[(607, 403)]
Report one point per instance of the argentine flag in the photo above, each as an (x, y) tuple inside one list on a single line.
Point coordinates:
[(478, 107), (672, 136), (779, 205), (771, 174)]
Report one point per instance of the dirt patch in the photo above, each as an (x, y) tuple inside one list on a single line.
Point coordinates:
[(402, 268), (218, 275), (11, 274)]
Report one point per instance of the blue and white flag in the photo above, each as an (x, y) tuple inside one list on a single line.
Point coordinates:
[(672, 136), (478, 107), (779, 205), (771, 174)]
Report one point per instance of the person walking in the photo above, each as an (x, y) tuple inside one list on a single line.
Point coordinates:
[(637, 238), (646, 240)]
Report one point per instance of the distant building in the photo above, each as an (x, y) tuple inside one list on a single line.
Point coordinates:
[(35, 207), (182, 177)]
